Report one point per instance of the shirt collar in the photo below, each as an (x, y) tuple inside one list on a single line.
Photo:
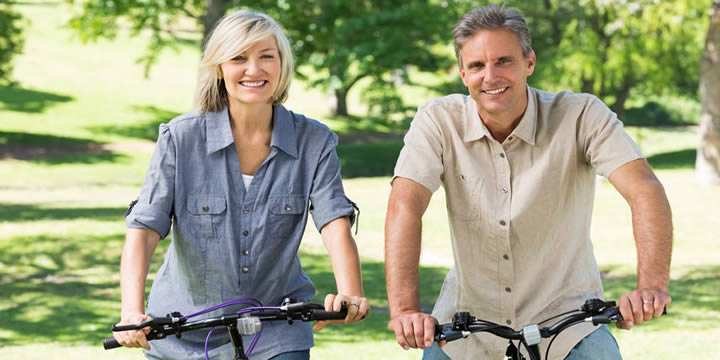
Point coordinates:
[(475, 129), (219, 134), (217, 128), (283, 134)]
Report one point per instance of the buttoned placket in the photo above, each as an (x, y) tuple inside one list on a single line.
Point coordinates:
[(245, 220), (502, 224)]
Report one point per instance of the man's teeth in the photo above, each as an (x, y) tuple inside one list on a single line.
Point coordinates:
[(252, 83), (496, 91)]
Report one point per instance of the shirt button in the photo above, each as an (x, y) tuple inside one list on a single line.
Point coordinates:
[(509, 322), (206, 208), (510, 138), (287, 207), (507, 289), (502, 155), (245, 252), (506, 257), (504, 190), (502, 222), (246, 210), (245, 269), (245, 233)]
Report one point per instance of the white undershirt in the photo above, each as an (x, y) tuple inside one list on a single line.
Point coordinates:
[(247, 179)]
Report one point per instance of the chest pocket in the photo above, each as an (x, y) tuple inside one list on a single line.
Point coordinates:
[(464, 193), (285, 213), (207, 215)]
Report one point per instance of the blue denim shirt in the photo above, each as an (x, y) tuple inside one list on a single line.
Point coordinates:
[(228, 242)]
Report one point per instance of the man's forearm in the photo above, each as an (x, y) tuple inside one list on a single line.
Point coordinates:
[(652, 226), (402, 258)]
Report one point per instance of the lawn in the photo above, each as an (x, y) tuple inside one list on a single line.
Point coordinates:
[(76, 137)]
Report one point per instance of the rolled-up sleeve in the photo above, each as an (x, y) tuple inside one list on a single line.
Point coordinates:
[(327, 197), (153, 209)]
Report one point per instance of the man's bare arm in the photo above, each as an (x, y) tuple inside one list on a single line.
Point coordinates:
[(652, 227), (403, 229)]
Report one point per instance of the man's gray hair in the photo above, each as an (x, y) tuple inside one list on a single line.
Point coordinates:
[(491, 17)]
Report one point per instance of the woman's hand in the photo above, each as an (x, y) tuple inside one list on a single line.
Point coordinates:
[(357, 309), (133, 338)]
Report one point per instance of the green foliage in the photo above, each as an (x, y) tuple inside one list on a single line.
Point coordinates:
[(342, 42), (163, 20), (613, 47), (11, 40)]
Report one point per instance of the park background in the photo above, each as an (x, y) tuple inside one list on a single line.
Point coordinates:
[(92, 80)]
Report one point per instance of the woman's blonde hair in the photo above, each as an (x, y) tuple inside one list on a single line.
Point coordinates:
[(234, 34)]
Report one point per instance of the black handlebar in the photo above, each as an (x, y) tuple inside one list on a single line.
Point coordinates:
[(161, 327)]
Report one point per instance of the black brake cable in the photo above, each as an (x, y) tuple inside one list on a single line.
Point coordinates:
[(559, 315)]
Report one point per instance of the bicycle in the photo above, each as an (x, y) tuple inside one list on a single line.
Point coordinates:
[(247, 321), (594, 310)]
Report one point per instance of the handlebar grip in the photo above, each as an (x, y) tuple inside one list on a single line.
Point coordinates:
[(317, 314), (110, 343)]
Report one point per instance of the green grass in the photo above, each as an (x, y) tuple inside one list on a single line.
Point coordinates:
[(61, 214)]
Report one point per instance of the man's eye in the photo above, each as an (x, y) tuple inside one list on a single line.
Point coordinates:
[(505, 60)]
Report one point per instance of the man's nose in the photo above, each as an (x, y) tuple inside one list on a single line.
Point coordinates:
[(491, 74)]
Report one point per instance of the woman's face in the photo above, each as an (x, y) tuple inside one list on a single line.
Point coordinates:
[(253, 76)]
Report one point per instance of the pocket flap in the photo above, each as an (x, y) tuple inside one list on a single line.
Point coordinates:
[(286, 204), (206, 204)]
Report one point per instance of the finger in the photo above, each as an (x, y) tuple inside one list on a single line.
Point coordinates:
[(661, 302), (397, 327), (636, 303), (429, 331), (319, 325), (648, 307), (329, 301), (364, 310), (142, 340), (626, 312), (352, 312), (409, 332), (419, 330), (337, 303)]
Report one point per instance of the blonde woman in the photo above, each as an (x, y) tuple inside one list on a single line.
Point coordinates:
[(235, 181)]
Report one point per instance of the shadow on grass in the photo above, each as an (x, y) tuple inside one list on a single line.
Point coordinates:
[(694, 294), (24, 212), (681, 159), (369, 159), (53, 149), (146, 129), (29, 101), (319, 269), (61, 288)]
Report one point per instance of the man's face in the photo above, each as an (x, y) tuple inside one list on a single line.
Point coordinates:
[(495, 72)]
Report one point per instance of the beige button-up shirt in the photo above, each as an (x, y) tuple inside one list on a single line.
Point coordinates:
[(519, 211)]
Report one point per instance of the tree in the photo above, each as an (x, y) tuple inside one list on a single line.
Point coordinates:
[(613, 47), (95, 19), (708, 153), (11, 40), (342, 42), (338, 42)]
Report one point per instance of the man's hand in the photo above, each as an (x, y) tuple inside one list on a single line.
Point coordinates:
[(413, 330), (641, 305)]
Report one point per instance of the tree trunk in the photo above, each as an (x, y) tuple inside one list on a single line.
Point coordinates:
[(338, 102), (708, 152), (622, 95), (215, 10)]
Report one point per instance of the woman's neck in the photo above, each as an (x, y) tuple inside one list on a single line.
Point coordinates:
[(250, 118)]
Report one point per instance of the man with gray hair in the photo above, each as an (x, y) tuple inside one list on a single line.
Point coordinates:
[(518, 166)]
